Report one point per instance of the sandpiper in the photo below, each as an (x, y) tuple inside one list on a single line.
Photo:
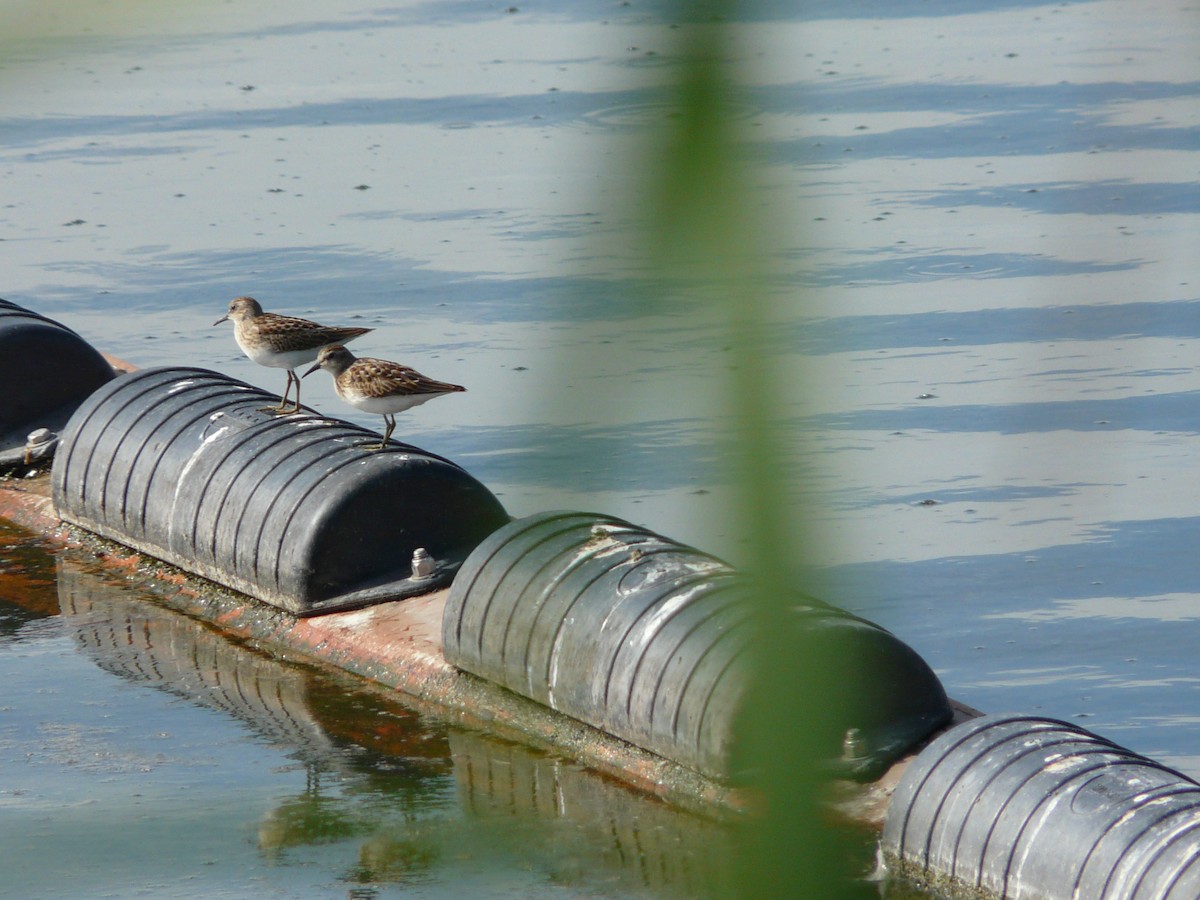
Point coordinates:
[(378, 385), (282, 342)]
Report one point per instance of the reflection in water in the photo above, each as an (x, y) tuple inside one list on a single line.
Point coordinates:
[(26, 580), (598, 826), (380, 779)]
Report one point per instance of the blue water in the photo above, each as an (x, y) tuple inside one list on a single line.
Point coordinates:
[(980, 265)]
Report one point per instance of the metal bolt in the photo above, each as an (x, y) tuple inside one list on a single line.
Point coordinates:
[(38, 440), (422, 564), (854, 745)]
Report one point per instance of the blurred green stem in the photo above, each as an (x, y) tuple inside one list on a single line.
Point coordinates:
[(708, 235)]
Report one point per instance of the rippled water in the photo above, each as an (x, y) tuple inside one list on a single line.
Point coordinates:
[(982, 280)]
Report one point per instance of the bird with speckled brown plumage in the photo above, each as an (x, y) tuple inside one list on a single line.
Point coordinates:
[(379, 385)]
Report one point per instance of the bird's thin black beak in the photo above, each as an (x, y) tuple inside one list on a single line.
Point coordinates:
[(223, 318), (310, 371)]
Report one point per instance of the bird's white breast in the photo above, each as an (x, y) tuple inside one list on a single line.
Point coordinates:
[(385, 405)]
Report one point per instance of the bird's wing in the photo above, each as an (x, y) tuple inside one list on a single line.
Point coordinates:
[(382, 378)]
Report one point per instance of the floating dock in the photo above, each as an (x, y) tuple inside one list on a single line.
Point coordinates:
[(575, 632)]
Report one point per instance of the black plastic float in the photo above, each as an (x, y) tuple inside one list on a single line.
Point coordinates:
[(645, 638), (185, 465), (1018, 806), (55, 370)]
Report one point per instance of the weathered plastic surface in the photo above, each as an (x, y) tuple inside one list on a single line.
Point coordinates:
[(1017, 806), (646, 638), (51, 370), (184, 464)]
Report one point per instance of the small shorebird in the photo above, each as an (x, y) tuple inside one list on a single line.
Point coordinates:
[(282, 342), (377, 385)]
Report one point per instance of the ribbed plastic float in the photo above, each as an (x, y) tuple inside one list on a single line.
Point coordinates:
[(645, 638), (1017, 806), (185, 465), (54, 371)]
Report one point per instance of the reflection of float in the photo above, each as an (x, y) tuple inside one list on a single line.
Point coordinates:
[(318, 718), (590, 825), (356, 738), (26, 579), (142, 643)]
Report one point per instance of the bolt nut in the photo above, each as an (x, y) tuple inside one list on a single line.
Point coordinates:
[(38, 444), (422, 564), (854, 745)]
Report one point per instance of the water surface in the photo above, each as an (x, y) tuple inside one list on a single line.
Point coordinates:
[(982, 283)]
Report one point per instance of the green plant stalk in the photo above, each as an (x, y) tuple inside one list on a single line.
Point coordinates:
[(708, 234)]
